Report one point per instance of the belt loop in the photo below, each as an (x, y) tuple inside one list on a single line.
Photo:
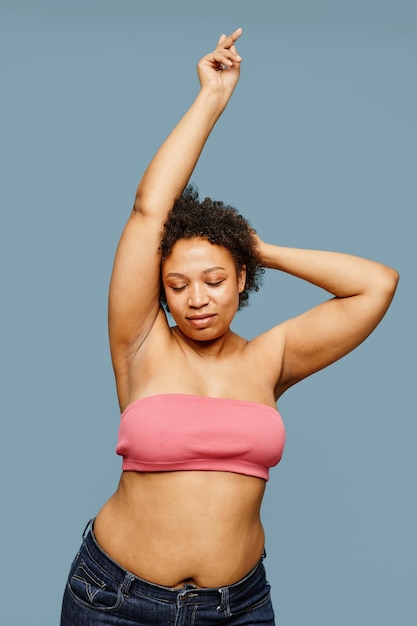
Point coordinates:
[(127, 583), (87, 529), (224, 601)]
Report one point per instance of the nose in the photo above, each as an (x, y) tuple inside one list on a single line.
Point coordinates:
[(197, 297)]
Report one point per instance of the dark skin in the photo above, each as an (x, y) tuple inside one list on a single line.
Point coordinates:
[(172, 527)]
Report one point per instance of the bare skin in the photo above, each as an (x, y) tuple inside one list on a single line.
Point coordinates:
[(204, 528)]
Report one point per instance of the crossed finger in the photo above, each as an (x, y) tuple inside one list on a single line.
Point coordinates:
[(226, 53), (229, 41)]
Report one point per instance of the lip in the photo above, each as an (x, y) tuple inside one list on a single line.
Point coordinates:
[(201, 321)]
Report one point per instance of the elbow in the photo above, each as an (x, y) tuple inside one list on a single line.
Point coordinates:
[(140, 200), (388, 282), (153, 202), (144, 199), (392, 280)]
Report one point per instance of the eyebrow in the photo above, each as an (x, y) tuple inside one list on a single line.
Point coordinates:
[(207, 271)]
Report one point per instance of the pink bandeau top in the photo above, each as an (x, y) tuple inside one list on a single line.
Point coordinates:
[(171, 432)]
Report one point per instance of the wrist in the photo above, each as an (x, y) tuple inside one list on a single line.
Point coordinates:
[(269, 255), (214, 97)]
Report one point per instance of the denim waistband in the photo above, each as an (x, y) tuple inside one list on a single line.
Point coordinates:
[(225, 598)]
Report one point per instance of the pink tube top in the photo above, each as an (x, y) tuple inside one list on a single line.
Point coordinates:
[(171, 432)]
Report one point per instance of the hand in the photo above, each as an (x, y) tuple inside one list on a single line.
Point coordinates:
[(219, 70), (261, 249)]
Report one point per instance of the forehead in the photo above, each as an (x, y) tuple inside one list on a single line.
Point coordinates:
[(198, 253)]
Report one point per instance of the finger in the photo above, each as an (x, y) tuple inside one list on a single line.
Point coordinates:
[(225, 57), (221, 39), (231, 39), (230, 53)]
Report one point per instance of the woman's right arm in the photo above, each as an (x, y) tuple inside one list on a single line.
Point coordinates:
[(134, 288)]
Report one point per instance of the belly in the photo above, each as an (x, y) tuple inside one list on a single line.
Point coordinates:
[(169, 528)]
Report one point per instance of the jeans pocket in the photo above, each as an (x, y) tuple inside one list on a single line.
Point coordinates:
[(259, 609), (87, 588)]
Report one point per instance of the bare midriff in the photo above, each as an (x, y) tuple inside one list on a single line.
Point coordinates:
[(176, 528)]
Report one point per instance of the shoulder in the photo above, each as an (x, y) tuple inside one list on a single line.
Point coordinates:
[(269, 341), (266, 351)]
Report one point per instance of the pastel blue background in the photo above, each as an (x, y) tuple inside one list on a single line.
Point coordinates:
[(317, 149)]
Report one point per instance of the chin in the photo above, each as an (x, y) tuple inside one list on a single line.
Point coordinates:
[(203, 334)]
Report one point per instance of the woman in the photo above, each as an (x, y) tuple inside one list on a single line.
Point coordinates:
[(181, 541)]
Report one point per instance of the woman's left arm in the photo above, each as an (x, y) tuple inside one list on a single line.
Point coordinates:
[(362, 291)]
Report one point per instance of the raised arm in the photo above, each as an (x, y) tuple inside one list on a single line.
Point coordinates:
[(362, 291), (134, 289)]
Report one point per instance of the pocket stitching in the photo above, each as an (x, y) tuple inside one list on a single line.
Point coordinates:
[(253, 607), (88, 589)]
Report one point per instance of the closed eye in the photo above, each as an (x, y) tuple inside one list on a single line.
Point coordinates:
[(178, 288), (216, 284)]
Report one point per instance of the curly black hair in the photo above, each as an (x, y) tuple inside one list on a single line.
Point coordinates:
[(220, 224)]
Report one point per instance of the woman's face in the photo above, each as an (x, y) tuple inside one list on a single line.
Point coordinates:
[(202, 287)]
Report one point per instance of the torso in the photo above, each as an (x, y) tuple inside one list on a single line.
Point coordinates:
[(175, 527), (198, 527)]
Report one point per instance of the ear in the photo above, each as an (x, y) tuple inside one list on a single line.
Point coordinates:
[(241, 278)]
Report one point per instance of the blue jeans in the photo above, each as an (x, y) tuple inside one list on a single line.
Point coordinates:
[(100, 592)]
